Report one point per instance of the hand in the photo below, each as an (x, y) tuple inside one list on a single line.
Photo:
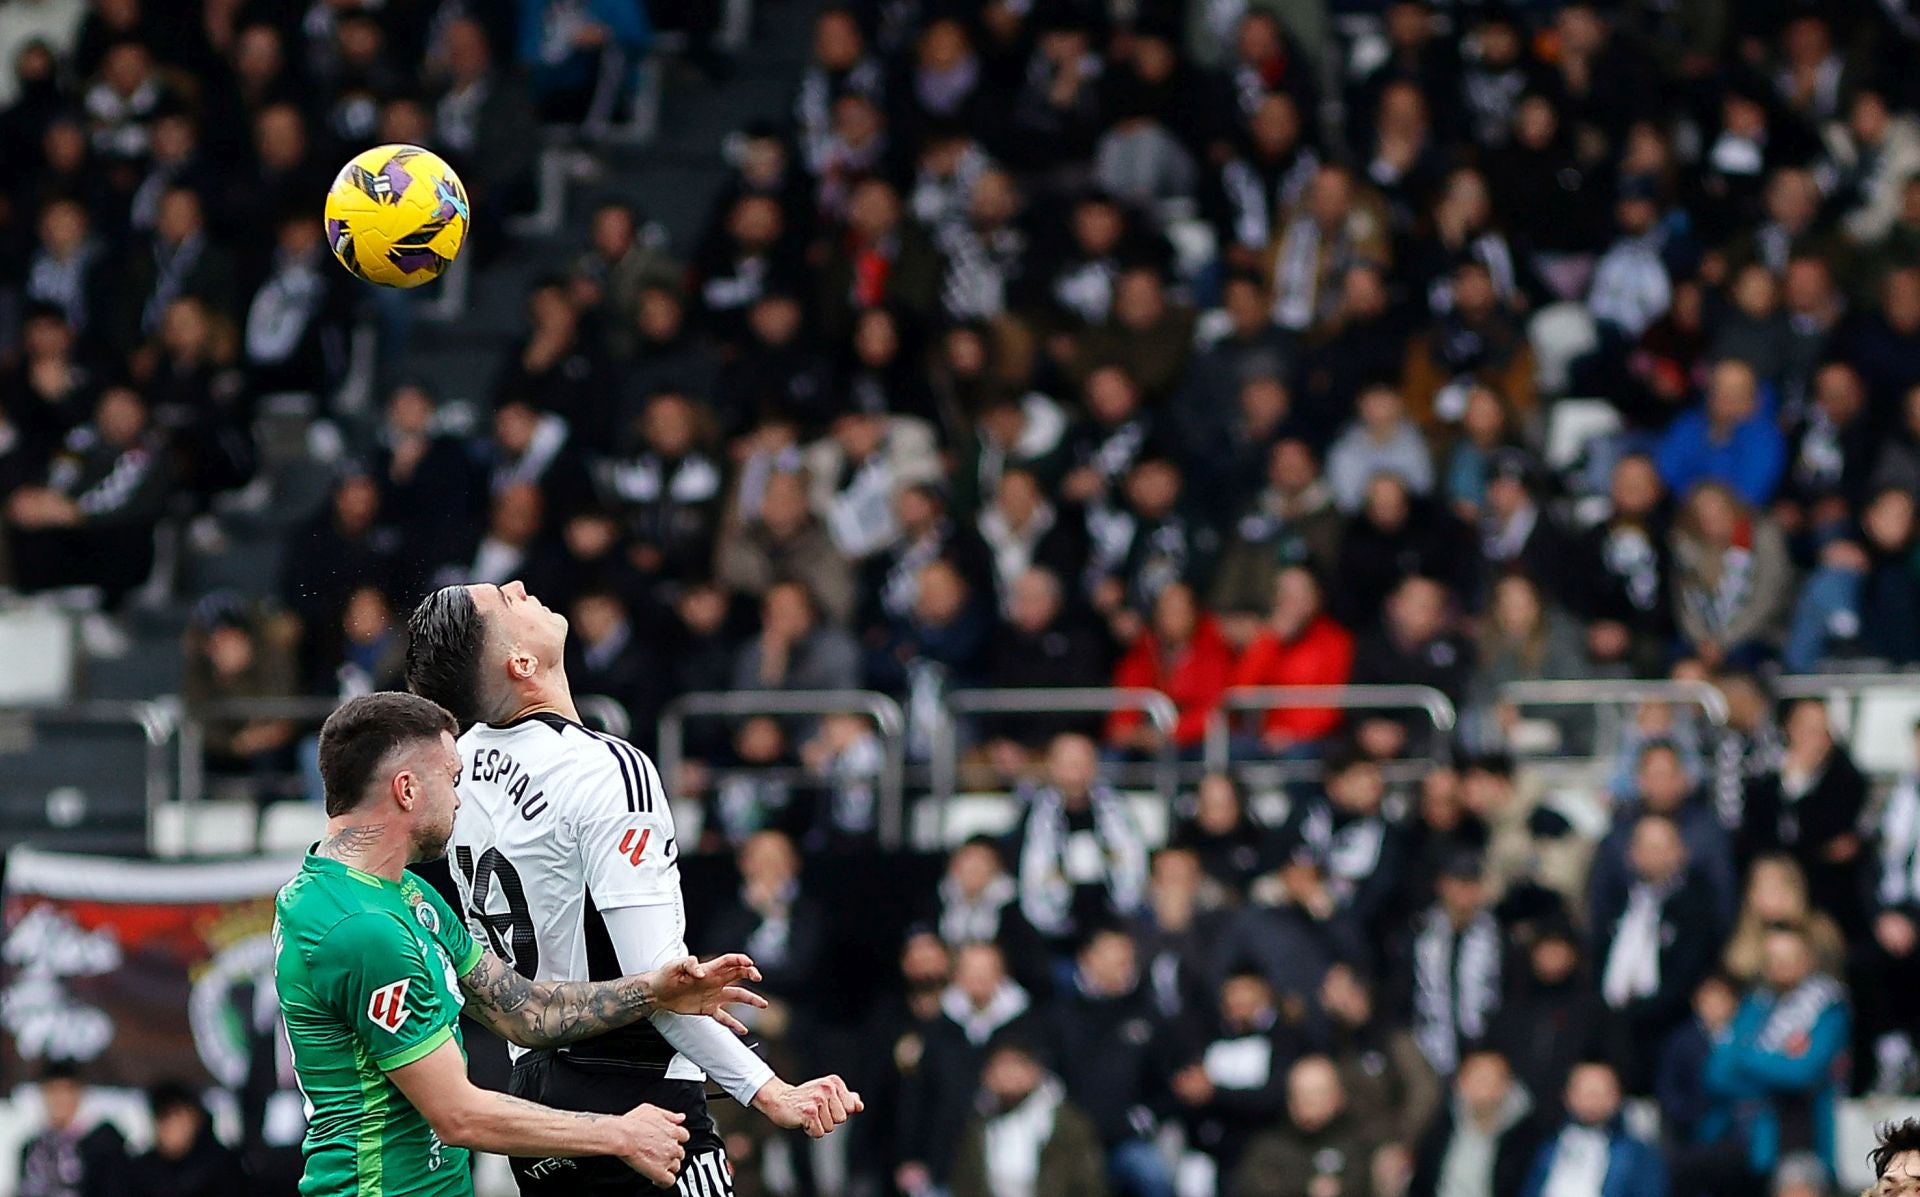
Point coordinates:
[(1896, 933), (656, 1143), (815, 1107), (689, 987)]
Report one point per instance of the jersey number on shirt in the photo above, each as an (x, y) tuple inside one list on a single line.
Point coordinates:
[(511, 934)]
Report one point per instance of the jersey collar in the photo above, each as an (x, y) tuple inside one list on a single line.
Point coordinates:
[(317, 863), (552, 719)]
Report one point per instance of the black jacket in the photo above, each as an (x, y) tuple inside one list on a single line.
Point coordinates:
[(209, 1169), (1805, 829), (1513, 1153), (1116, 1056), (1690, 942)]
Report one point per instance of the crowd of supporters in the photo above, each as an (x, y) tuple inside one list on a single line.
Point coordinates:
[(1060, 343)]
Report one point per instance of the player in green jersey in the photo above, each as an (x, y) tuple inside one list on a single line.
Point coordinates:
[(373, 969)]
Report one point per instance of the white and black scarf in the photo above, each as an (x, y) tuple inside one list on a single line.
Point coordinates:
[(1900, 846), (1046, 894), (1632, 968), (1456, 978), (1008, 1002), (1795, 1012), (1013, 1141), (971, 920)]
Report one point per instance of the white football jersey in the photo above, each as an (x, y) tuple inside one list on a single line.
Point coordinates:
[(557, 823)]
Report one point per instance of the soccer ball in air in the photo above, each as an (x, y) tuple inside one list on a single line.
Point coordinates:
[(396, 215)]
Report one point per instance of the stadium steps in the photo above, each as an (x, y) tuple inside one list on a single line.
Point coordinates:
[(672, 180)]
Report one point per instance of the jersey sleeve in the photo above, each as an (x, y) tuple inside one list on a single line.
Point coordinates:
[(624, 831), (388, 986), (451, 930)]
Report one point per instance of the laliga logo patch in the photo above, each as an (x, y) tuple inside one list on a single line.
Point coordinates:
[(388, 1007), (633, 849)]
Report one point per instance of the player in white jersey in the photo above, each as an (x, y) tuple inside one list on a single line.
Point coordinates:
[(564, 852)]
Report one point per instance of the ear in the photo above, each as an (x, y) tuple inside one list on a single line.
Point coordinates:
[(522, 665), (405, 789)]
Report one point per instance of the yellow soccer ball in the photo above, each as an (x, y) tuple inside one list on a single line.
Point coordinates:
[(396, 215)]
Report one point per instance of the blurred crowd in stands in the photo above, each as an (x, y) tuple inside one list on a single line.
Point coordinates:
[(1051, 343)]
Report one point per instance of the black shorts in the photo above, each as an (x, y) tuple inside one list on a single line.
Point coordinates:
[(610, 1087)]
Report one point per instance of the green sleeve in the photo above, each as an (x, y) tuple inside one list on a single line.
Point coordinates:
[(451, 930), (388, 986)]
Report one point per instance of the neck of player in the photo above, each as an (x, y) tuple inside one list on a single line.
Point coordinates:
[(381, 849), (544, 694)]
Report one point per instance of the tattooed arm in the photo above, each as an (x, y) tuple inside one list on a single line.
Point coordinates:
[(551, 1013)]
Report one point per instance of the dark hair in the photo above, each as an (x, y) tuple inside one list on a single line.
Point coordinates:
[(60, 1070), (360, 734), (446, 638), (1896, 1138), (171, 1095)]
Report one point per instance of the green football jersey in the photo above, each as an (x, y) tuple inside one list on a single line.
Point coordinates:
[(369, 977)]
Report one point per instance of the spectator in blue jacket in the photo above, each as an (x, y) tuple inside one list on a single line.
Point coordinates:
[(580, 56), (1593, 1155), (1732, 438), (1773, 1076)]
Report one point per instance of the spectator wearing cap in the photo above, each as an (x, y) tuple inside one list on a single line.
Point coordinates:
[(1027, 1135), (1321, 1149), (1299, 644), (1486, 1136), (1660, 946), (1631, 288), (1449, 967), (1290, 522), (1477, 339), (1533, 845), (1343, 855), (1552, 1016), (1081, 861), (1593, 1155), (1775, 1076)]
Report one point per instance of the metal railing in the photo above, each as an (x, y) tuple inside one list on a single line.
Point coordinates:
[(1063, 700), (1437, 707), (1618, 692), (889, 721)]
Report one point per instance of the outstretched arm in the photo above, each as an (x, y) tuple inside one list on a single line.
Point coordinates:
[(552, 1013), (649, 1140)]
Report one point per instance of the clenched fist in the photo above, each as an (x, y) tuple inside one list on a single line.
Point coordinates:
[(815, 1107), (656, 1143)]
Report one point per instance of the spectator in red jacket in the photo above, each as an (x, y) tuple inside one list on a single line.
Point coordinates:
[(1301, 645), (1182, 654)]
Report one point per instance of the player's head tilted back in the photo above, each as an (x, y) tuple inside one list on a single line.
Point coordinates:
[(389, 758), (486, 652)]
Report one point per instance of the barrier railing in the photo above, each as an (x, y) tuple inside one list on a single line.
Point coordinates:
[(888, 720), (1873, 713), (1062, 700), (1618, 692), (1426, 700)]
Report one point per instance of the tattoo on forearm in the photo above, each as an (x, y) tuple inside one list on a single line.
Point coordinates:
[(349, 843), (552, 1013)]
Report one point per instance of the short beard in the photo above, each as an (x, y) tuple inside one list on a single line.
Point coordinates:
[(430, 843)]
